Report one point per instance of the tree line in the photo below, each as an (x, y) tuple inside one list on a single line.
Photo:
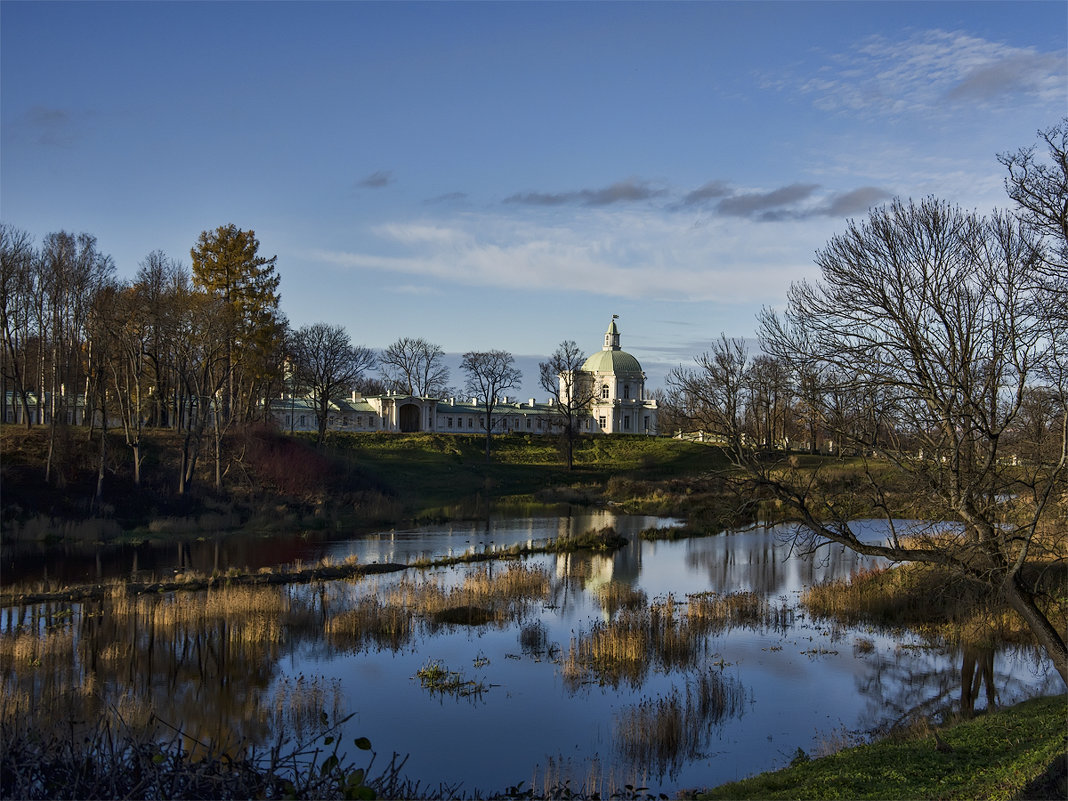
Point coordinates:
[(200, 351)]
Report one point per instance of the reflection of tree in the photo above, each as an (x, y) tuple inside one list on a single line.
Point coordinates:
[(977, 669), (658, 736), (921, 684), (765, 562), (203, 662)]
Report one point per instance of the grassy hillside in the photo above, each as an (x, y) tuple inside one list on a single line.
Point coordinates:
[(352, 477), (430, 472)]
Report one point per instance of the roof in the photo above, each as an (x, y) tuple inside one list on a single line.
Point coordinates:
[(612, 361)]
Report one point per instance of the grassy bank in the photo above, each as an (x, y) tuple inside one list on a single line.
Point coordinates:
[(998, 755), (274, 481)]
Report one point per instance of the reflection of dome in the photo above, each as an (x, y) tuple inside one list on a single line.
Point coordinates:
[(612, 361)]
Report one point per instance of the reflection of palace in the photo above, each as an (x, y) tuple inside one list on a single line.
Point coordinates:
[(612, 377)]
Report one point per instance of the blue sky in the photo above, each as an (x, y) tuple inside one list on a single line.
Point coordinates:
[(509, 175)]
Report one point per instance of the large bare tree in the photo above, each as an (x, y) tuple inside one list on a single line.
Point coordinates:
[(326, 364), (489, 375), (936, 322), (415, 367), (571, 390)]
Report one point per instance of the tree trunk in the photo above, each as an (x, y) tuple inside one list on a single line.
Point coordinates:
[(1021, 599)]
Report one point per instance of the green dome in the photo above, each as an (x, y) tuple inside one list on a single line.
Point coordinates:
[(612, 361)]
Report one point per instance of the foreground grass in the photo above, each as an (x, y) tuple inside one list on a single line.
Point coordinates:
[(997, 755)]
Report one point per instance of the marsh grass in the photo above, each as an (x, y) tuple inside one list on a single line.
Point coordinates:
[(487, 594), (616, 595), (370, 622), (933, 602), (661, 734), (666, 634)]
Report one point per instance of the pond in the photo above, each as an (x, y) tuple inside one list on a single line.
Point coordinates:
[(668, 665)]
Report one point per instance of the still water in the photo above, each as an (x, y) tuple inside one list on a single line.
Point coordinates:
[(697, 704)]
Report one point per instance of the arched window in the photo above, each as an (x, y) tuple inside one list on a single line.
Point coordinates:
[(604, 391)]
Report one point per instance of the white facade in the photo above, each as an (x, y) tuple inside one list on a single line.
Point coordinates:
[(619, 406)]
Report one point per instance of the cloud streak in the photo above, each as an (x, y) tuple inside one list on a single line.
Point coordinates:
[(795, 201), (376, 180), (621, 192), (930, 72)]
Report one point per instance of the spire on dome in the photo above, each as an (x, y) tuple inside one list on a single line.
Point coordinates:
[(611, 337)]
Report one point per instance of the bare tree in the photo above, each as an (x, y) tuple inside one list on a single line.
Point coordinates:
[(712, 395), (415, 367), (327, 364), (1040, 190), (571, 390), (936, 319), (123, 334), (70, 270), (160, 284), (489, 375), (16, 282)]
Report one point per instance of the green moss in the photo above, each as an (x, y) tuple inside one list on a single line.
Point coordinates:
[(993, 756)]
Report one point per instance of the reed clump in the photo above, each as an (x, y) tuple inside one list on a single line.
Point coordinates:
[(665, 634), (616, 595)]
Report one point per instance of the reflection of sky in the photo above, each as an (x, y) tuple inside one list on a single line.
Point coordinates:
[(455, 539), (801, 685)]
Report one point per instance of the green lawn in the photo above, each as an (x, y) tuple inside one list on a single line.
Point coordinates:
[(992, 756), (435, 471)]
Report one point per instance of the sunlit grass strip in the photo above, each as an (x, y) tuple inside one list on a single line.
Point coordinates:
[(603, 540), (195, 582), (995, 755)]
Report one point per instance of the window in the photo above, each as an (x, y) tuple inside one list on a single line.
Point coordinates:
[(470, 422), (529, 425), (302, 420), (626, 422), (602, 421), (626, 391), (646, 422), (604, 393), (450, 422)]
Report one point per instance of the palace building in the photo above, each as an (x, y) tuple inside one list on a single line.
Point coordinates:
[(612, 377)]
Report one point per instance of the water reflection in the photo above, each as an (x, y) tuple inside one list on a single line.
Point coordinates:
[(659, 735), (637, 664)]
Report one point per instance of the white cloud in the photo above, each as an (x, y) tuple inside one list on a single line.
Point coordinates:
[(649, 256), (929, 72)]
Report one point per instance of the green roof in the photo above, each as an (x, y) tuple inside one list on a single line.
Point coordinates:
[(612, 361)]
